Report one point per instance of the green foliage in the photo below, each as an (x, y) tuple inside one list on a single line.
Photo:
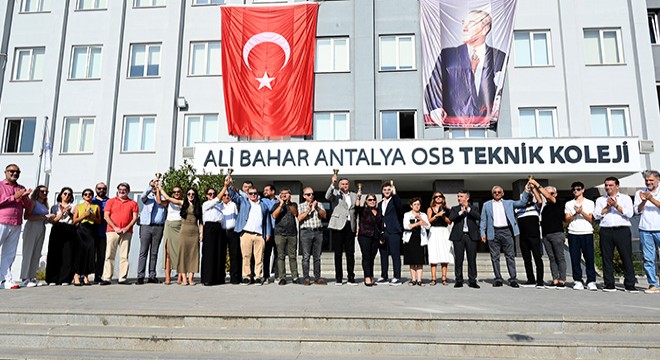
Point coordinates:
[(186, 176)]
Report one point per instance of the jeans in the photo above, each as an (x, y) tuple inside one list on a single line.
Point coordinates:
[(649, 242), (287, 245), (579, 246), (311, 242), (554, 246)]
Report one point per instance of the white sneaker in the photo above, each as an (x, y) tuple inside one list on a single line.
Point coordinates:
[(395, 282), (579, 285), (381, 280), (52, 284), (592, 286), (339, 283), (65, 284), (9, 284)]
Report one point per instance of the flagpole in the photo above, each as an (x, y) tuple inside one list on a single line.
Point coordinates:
[(41, 152)]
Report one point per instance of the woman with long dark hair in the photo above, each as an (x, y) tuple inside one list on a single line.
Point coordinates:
[(214, 250), (191, 234), (34, 234), (87, 216), (370, 234), (172, 230), (441, 249), (415, 226), (59, 261)]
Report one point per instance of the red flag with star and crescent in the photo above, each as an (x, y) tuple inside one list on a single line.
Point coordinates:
[(268, 69)]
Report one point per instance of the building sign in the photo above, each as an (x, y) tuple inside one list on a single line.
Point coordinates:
[(613, 155)]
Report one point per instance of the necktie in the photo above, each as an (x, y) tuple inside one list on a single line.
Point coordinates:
[(474, 61)]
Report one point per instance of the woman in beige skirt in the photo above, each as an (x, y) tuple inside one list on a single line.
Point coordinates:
[(172, 228), (191, 234)]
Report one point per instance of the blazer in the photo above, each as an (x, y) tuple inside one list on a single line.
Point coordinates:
[(487, 228), (340, 210), (244, 206), (459, 218), (451, 85), (392, 215)]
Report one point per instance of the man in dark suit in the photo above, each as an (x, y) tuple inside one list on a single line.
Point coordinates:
[(392, 211), (465, 78), (465, 236)]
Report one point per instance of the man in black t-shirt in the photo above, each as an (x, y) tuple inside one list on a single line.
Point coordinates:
[(284, 212), (552, 228)]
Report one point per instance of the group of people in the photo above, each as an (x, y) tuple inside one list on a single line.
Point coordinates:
[(249, 226)]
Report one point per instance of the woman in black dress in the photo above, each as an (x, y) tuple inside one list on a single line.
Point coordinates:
[(415, 226), (59, 261), (370, 234)]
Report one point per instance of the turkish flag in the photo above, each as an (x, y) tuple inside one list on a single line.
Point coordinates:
[(268, 69)]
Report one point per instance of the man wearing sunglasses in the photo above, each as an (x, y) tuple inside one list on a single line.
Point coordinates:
[(152, 221), (579, 214), (100, 242), (499, 227), (121, 213), (310, 213), (254, 226), (14, 199), (552, 229), (343, 226)]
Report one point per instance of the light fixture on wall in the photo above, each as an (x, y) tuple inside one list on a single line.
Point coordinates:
[(181, 103)]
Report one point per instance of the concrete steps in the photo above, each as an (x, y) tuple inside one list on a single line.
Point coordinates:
[(72, 335)]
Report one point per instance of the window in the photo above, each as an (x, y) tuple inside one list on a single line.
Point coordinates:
[(537, 122), (397, 52), (201, 128), (78, 135), (208, 2), (205, 58), (609, 121), (532, 48), (19, 135), (29, 64), (148, 3), (85, 62), (92, 4), (654, 31), (145, 60), (139, 133), (35, 6), (467, 133), (397, 125), (332, 55), (603, 46), (331, 126)]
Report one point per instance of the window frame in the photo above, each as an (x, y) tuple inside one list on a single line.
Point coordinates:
[(537, 110), (398, 122), (222, 2), (206, 58), (332, 119), (20, 136), (332, 51), (653, 22), (467, 133), (609, 108), (397, 38), (141, 127), (201, 116), (32, 57), (136, 6), (548, 47), (95, 8), (619, 42), (79, 146), (41, 5), (87, 62), (147, 46)]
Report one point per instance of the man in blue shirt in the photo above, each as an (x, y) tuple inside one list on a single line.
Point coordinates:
[(100, 242), (152, 220)]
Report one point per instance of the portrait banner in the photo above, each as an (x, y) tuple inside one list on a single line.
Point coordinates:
[(465, 50), (268, 68)]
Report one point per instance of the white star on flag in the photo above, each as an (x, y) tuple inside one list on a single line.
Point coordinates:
[(265, 81)]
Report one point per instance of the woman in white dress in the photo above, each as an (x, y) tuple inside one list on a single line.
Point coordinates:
[(441, 249)]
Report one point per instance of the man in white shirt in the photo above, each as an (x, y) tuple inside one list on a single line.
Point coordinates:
[(647, 204), (579, 214), (614, 211)]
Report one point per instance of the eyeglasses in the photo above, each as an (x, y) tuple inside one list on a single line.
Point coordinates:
[(498, 192), (225, 195), (253, 193), (122, 190), (210, 193), (14, 171), (438, 197), (553, 193), (176, 192), (101, 188), (87, 194), (191, 194), (66, 193), (371, 199), (576, 189), (308, 194), (43, 191)]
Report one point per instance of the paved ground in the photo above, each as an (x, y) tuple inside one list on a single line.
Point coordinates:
[(404, 300)]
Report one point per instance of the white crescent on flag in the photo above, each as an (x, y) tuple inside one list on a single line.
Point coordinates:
[(263, 37)]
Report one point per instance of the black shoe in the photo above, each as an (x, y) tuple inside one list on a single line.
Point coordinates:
[(632, 290), (124, 282), (104, 282), (140, 281), (514, 284), (153, 280), (458, 284), (474, 285), (529, 283), (245, 282), (282, 281), (497, 283)]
